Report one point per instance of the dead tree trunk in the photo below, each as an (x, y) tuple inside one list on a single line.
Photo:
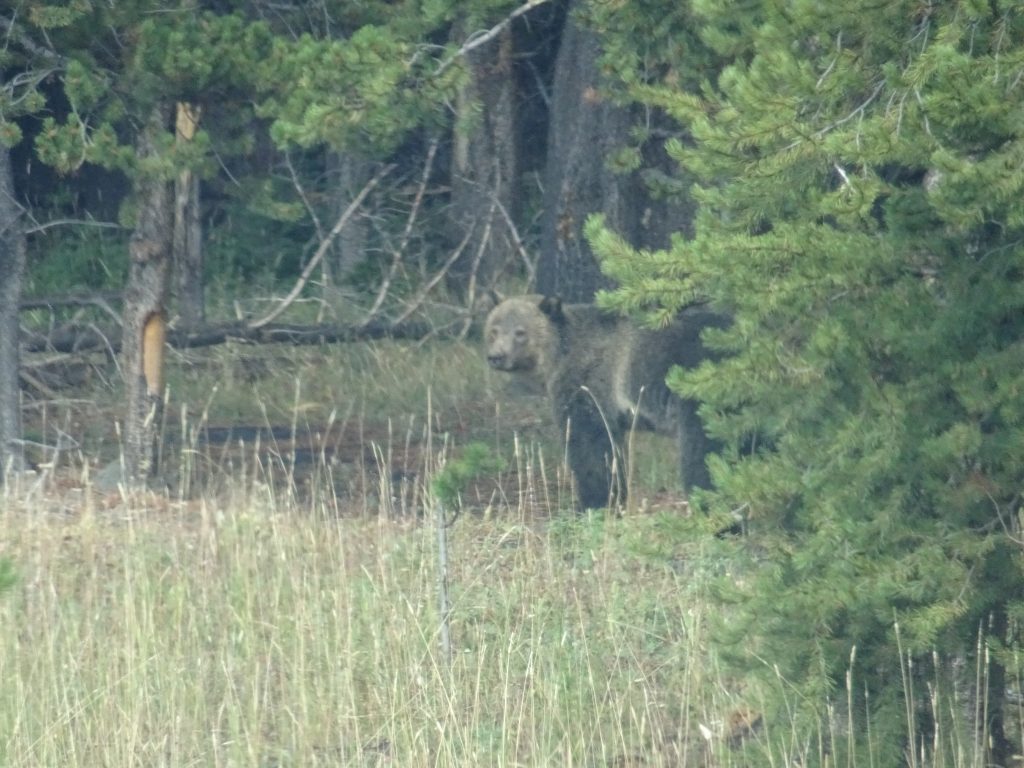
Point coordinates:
[(485, 169), (145, 297), (188, 249), (349, 174), (585, 129), (12, 267)]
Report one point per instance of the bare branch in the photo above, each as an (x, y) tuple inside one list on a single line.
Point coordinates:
[(90, 338), (475, 41), (477, 258), (325, 244), (424, 290), (385, 285), (302, 195), (531, 266), (101, 300), (71, 223)]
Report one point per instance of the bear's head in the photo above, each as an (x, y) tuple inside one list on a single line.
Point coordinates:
[(520, 333)]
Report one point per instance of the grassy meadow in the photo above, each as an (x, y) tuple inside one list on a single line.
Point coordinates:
[(275, 603)]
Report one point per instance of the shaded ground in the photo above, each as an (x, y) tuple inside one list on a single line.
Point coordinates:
[(355, 428)]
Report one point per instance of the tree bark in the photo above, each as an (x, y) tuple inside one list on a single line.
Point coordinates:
[(12, 268), (188, 234), (145, 297), (351, 174), (585, 130), (485, 170)]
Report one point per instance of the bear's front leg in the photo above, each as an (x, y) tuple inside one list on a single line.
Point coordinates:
[(594, 457)]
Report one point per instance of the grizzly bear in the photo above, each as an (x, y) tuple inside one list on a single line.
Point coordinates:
[(605, 376)]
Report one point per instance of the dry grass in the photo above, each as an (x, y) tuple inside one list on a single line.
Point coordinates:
[(268, 612), (239, 631)]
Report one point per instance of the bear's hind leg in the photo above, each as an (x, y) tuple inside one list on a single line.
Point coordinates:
[(694, 445)]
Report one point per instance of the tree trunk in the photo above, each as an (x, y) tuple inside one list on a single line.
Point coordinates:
[(999, 745), (350, 173), (145, 297), (12, 267), (188, 248), (585, 130), (485, 172)]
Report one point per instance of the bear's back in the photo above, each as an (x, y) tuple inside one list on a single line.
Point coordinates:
[(644, 363)]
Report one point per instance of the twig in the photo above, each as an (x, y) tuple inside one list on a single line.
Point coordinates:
[(542, 89), (322, 250), (859, 110), (517, 241), (396, 259), (477, 258), (483, 38), (426, 289), (301, 191), (101, 300), (302, 196), (1006, 528), (108, 345)]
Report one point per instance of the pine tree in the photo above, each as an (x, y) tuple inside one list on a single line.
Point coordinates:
[(25, 63), (862, 218)]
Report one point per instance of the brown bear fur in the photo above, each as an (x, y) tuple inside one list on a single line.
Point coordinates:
[(605, 376)]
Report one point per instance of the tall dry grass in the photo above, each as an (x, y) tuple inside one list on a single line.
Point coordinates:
[(243, 631), (255, 612)]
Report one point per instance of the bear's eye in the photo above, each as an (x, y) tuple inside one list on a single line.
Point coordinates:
[(520, 334)]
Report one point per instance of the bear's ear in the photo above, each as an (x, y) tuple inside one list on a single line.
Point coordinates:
[(552, 307)]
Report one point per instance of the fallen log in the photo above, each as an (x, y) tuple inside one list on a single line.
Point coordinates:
[(70, 339), (101, 299)]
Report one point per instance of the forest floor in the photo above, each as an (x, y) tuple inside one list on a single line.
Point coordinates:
[(371, 420)]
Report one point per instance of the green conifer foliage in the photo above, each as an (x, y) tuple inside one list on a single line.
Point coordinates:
[(862, 218)]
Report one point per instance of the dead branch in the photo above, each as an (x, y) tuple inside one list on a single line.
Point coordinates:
[(301, 191), (475, 41), (475, 268), (37, 385), (396, 259), (425, 290), (25, 41), (517, 241), (42, 227), (325, 244)]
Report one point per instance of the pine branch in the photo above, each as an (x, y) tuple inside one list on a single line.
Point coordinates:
[(17, 34)]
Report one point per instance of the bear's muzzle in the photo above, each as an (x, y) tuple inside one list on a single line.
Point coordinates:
[(498, 362)]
